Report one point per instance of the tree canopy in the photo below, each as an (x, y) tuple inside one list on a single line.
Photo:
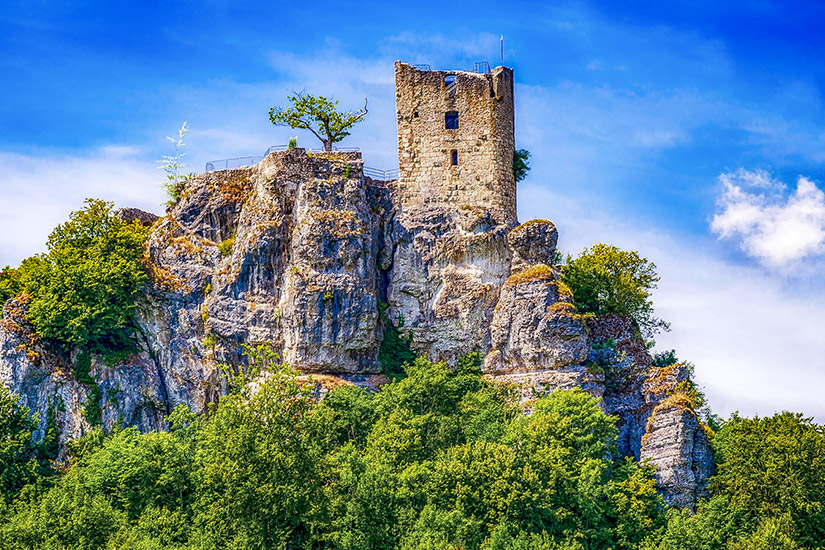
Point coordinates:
[(520, 165), (605, 279), (83, 290), (440, 458), (319, 115)]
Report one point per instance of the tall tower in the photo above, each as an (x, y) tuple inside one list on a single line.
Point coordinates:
[(455, 202), (456, 141)]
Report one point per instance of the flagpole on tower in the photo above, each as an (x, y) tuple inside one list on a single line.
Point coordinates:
[(502, 50)]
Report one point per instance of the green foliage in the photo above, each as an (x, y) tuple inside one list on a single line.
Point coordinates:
[(83, 291), (257, 474), (440, 458), (604, 279), (319, 115), (665, 358), (82, 372), (395, 350), (91, 408), (771, 467), (49, 447), (520, 165), (226, 246), (292, 143), (17, 465), (768, 491), (10, 286), (172, 166), (261, 359)]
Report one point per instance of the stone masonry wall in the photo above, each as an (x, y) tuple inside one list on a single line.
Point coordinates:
[(483, 141)]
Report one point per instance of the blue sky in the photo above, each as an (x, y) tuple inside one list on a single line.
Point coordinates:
[(693, 132)]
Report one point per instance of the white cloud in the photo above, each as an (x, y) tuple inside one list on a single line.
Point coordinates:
[(756, 342), (37, 192), (778, 231)]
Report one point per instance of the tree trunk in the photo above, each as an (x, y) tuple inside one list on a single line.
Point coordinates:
[(327, 145)]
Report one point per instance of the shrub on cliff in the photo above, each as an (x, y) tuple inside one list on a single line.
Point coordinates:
[(17, 465), (83, 290), (605, 279), (9, 286)]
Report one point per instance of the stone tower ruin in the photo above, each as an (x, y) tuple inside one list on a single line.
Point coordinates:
[(456, 140), (454, 203)]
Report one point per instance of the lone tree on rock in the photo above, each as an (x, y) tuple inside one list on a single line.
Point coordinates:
[(319, 116)]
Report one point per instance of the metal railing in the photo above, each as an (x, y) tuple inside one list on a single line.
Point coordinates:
[(381, 175), (481, 67), (237, 162), (229, 164)]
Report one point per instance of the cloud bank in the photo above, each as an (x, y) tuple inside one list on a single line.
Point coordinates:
[(38, 192), (776, 229)]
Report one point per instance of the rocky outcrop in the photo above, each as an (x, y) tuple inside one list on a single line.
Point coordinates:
[(447, 270), (677, 444), (304, 253), (534, 325), (131, 215), (533, 243), (284, 252)]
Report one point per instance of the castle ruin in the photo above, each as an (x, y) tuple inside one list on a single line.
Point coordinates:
[(455, 202), (456, 140)]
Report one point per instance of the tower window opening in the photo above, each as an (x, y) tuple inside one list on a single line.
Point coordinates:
[(454, 157), (449, 80), (451, 120)]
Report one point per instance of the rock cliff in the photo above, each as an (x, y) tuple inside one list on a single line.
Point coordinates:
[(304, 252)]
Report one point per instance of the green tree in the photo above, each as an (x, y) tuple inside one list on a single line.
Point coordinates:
[(605, 279), (772, 467), (83, 291), (319, 115), (10, 286), (520, 166), (17, 464), (256, 472)]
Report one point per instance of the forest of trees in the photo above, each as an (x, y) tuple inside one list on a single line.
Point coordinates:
[(440, 459)]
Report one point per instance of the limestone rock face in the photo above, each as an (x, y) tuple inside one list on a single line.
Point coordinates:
[(132, 392), (447, 270), (531, 328), (284, 252), (677, 445), (302, 251), (533, 243), (534, 325)]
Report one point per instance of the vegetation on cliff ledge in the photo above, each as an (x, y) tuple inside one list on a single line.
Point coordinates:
[(83, 290), (605, 279)]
